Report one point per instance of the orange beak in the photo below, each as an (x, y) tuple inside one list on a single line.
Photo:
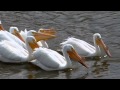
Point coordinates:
[(102, 44), (33, 45), (50, 31), (1, 27), (74, 55), (17, 34), (42, 36)]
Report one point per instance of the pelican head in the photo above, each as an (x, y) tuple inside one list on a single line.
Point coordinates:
[(39, 36), (97, 35), (32, 42), (50, 31), (73, 54), (15, 31), (100, 43)]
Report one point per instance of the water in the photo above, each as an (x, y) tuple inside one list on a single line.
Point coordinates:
[(80, 24)]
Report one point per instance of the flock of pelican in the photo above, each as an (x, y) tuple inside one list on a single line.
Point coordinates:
[(30, 46)]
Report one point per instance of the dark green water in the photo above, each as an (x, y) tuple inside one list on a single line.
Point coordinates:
[(80, 24)]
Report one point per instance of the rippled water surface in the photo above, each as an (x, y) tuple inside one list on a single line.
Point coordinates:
[(80, 24)]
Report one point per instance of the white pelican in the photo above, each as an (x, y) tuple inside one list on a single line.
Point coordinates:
[(23, 34), (41, 43), (12, 52), (87, 50), (49, 60)]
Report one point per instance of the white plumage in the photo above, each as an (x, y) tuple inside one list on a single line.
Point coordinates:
[(5, 35), (12, 52)]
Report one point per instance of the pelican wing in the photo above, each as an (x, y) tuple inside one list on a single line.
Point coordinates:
[(46, 59), (82, 47), (5, 35), (87, 45), (58, 56), (9, 52)]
